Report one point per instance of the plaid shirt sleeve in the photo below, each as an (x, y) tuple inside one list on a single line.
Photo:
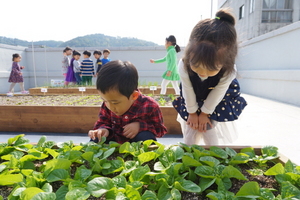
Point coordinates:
[(104, 120)]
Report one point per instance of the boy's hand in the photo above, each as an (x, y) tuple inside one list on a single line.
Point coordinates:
[(131, 130), (203, 121), (193, 121), (93, 134)]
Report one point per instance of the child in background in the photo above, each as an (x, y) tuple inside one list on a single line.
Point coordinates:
[(105, 58), (87, 69), (76, 66), (66, 61), (126, 114), (70, 77), (210, 100), (16, 75), (171, 75), (97, 54)]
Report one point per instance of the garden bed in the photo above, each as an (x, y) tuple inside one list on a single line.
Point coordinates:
[(90, 90), (143, 171)]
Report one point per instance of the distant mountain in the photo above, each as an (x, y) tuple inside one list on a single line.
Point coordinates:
[(15, 42), (94, 40), (101, 40)]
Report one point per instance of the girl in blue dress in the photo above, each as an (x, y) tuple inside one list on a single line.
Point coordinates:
[(210, 94)]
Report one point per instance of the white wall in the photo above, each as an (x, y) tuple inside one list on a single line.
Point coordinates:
[(269, 65), (45, 64)]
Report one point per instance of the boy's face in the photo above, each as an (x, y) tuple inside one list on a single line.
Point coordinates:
[(117, 102), (85, 56), (69, 52), (105, 54), (76, 57), (97, 56)]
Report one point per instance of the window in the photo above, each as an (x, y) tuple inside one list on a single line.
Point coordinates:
[(251, 6), (242, 12), (277, 11)]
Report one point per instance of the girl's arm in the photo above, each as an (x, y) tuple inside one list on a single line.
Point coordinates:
[(187, 89), (217, 94), (161, 60)]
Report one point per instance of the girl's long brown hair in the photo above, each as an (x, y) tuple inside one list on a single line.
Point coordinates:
[(213, 42)]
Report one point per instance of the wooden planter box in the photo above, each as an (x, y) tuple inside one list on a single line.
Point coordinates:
[(64, 119), (90, 90)]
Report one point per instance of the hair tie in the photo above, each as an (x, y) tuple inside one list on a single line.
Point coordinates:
[(217, 17)]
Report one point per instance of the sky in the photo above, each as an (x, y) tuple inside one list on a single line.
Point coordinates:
[(63, 20)]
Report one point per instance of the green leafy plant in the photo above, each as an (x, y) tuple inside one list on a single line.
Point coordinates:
[(141, 170)]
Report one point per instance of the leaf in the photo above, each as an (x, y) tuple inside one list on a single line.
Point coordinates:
[(205, 171), (178, 152), (231, 152), (126, 148), (99, 186), (57, 175), (215, 196), (108, 153), (88, 156), (116, 165), (269, 151), (56, 164), (29, 193), (288, 191), (187, 185), (41, 141), (276, 169), (239, 159), (78, 194), (10, 141), (249, 190), (232, 172), (119, 181), (47, 188), (210, 161), (52, 152), (44, 196), (164, 193), (132, 193), (158, 166), (147, 156), (266, 194), (149, 195), (176, 195), (10, 179), (190, 162), (139, 173), (2, 167), (82, 173), (206, 183), (289, 167), (61, 192), (218, 152)]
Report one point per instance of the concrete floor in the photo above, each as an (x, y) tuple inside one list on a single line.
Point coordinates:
[(263, 122)]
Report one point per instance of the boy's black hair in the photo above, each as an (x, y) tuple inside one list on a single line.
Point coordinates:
[(97, 52), (86, 52), (106, 50), (67, 49), (15, 55), (76, 53), (118, 75)]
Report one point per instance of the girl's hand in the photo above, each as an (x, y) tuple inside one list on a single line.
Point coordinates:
[(131, 130), (93, 134), (193, 121), (22, 67), (203, 121), (152, 61), (169, 73)]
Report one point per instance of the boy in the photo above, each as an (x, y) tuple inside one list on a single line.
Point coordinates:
[(97, 54), (76, 66), (87, 68), (66, 61), (105, 58), (126, 114)]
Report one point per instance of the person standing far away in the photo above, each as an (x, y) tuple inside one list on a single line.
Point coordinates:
[(16, 76), (105, 58), (66, 61), (97, 54), (70, 77), (87, 69), (171, 74), (76, 66)]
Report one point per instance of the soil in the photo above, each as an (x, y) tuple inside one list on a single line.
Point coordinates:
[(66, 100)]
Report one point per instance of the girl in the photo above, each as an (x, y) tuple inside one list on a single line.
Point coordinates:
[(16, 75), (171, 75), (210, 93), (70, 77)]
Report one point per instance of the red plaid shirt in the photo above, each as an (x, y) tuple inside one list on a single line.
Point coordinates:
[(144, 110)]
